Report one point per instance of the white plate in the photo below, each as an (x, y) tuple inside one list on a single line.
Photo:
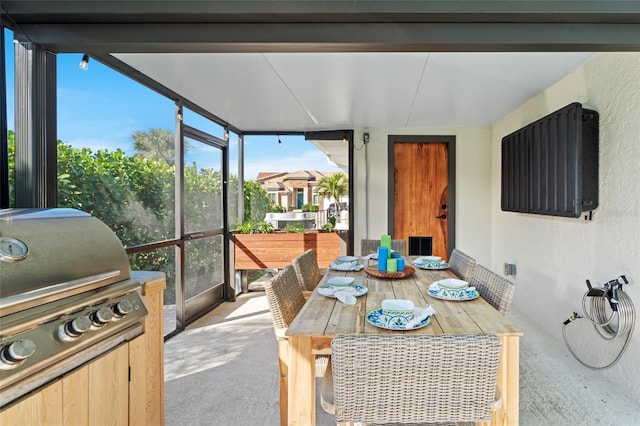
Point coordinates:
[(377, 318), (340, 280), (327, 290), (345, 259)]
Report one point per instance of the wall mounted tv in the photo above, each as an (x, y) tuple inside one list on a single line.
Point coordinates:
[(550, 166)]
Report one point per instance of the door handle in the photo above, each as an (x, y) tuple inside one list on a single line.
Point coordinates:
[(442, 216)]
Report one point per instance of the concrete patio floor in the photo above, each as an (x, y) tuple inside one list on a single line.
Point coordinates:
[(223, 371)]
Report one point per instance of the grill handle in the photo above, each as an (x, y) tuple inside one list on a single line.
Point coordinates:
[(29, 299)]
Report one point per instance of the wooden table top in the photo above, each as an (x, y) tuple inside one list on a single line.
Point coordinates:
[(324, 317)]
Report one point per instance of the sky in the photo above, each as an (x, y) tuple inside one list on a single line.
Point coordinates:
[(101, 109)]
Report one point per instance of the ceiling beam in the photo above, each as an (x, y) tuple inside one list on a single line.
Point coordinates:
[(334, 37), (193, 11)]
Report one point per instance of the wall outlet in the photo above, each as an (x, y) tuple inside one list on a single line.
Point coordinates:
[(509, 268)]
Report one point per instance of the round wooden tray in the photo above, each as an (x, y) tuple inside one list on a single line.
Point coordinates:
[(373, 271)]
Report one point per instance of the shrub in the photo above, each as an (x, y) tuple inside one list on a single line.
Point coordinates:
[(244, 227), (250, 227), (264, 228), (294, 227), (330, 225)]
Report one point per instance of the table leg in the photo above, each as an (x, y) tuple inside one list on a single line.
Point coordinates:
[(509, 382), (302, 389), (283, 359)]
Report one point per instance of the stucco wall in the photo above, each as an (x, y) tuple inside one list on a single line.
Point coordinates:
[(554, 256), (473, 186)]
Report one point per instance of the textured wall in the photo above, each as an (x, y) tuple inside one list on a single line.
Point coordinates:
[(555, 256)]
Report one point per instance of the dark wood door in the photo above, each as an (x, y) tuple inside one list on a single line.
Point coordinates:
[(421, 196)]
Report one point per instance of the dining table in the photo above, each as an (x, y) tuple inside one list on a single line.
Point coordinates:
[(321, 318)]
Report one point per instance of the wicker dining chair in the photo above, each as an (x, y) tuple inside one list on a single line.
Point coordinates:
[(493, 288), (285, 299), (307, 270), (371, 246), (461, 264), (412, 379)]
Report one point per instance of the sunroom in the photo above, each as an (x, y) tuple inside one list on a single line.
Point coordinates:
[(462, 75)]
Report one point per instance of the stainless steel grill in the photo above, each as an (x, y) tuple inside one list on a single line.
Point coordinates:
[(66, 296)]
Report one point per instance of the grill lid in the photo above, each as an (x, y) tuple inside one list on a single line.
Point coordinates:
[(49, 254)]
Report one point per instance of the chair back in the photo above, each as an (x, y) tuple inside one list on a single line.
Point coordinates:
[(493, 288), (371, 246), (307, 270), (461, 264), (407, 378), (285, 298)]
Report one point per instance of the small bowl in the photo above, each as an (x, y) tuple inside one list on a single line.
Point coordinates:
[(453, 284), (340, 281), (398, 308), (345, 259), (426, 259)]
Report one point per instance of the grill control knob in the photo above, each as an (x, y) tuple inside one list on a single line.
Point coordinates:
[(74, 328), (122, 308), (102, 316), (17, 351)]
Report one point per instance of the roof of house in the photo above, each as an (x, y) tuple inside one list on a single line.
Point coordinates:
[(273, 186), (262, 176), (269, 178)]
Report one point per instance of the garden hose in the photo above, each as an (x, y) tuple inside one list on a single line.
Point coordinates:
[(619, 323)]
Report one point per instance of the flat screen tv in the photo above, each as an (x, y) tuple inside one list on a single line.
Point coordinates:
[(550, 166)]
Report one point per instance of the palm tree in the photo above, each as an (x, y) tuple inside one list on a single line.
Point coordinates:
[(156, 144), (334, 186)]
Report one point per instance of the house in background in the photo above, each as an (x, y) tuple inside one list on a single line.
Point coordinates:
[(293, 190)]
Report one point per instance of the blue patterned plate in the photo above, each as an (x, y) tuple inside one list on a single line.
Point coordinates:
[(434, 266), (328, 290), (377, 318), (467, 296)]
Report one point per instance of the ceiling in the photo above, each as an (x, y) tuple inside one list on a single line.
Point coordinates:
[(277, 92), (354, 90)]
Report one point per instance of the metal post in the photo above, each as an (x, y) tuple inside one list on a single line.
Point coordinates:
[(35, 118), (4, 141)]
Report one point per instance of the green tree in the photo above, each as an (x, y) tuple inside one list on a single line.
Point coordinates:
[(334, 186), (134, 196), (156, 144), (202, 198), (11, 139), (257, 202)]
